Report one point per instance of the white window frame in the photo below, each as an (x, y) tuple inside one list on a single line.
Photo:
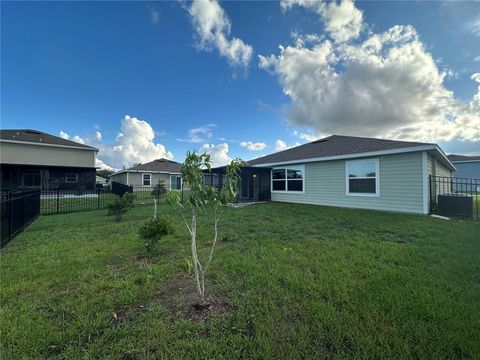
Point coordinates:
[(176, 177), (149, 179), (71, 182), (288, 167), (377, 178)]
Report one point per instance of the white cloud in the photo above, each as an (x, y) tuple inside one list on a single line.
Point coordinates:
[(387, 86), (218, 153), (199, 134), (154, 16), (133, 144), (253, 146), (76, 138), (474, 27), (212, 27), (282, 145), (100, 164), (307, 136), (343, 21)]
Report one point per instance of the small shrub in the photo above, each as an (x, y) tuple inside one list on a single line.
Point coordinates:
[(154, 229), (159, 190), (120, 206)]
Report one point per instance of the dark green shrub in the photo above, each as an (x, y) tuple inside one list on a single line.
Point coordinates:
[(154, 229), (120, 206), (159, 190)]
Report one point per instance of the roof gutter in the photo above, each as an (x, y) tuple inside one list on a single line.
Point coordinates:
[(90, 148)]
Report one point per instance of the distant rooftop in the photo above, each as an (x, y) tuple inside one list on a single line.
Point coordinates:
[(457, 158), (38, 137), (334, 145), (164, 165)]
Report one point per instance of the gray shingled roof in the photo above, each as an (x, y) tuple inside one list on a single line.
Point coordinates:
[(455, 158), (159, 165), (334, 145), (38, 137)]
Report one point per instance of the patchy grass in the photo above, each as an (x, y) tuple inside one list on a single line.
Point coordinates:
[(298, 281)]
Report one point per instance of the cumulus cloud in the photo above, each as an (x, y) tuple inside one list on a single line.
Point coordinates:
[(385, 85), (199, 134), (212, 27), (134, 144), (343, 21), (100, 164), (282, 145), (218, 153), (307, 136), (76, 138), (253, 146)]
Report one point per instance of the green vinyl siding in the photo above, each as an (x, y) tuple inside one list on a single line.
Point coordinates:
[(442, 170), (401, 186)]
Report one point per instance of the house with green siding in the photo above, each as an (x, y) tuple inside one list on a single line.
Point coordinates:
[(346, 171)]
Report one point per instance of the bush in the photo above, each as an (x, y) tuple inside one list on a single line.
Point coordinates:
[(159, 190), (154, 229), (120, 206)]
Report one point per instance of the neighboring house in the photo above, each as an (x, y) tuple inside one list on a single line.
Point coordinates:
[(467, 166), (149, 174), (350, 172), (101, 181), (467, 174), (34, 159)]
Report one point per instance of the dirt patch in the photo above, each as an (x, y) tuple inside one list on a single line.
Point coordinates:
[(181, 299)]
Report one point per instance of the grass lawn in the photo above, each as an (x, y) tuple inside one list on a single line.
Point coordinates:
[(90, 202), (303, 282)]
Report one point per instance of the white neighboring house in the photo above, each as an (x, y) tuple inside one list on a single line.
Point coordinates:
[(149, 174), (101, 181)]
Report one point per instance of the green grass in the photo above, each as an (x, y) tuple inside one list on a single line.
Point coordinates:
[(306, 282), (49, 206)]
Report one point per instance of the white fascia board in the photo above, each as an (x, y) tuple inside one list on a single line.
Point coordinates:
[(465, 161), (144, 171), (445, 157), (425, 182), (51, 145), (358, 155)]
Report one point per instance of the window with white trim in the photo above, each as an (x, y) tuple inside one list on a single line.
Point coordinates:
[(146, 179), (288, 179), (175, 182), (362, 177), (71, 178)]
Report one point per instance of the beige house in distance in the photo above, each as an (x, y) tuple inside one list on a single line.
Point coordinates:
[(150, 174)]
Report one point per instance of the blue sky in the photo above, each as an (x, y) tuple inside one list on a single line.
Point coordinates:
[(174, 76)]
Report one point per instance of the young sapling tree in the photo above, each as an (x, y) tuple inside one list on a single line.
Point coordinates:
[(120, 206), (203, 199)]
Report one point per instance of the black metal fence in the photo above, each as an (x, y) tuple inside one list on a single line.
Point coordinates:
[(18, 209), (458, 197), (68, 201)]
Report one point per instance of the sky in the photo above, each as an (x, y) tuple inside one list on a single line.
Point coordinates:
[(144, 80)]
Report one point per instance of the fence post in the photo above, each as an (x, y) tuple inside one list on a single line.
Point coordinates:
[(9, 215), (58, 198)]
